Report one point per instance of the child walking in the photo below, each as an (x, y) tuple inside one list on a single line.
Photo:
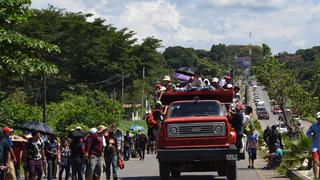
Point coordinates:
[(252, 143)]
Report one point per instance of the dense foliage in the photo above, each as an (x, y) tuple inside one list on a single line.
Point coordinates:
[(20, 54)]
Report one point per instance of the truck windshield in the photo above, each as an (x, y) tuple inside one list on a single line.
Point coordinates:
[(187, 109)]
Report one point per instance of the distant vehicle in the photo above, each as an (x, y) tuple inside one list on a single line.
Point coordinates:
[(276, 110), (261, 106), (263, 114), (282, 128)]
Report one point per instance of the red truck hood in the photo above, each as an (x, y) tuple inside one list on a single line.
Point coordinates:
[(194, 142), (195, 119)]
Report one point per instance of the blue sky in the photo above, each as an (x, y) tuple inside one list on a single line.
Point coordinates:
[(286, 25)]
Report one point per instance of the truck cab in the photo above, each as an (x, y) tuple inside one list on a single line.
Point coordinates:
[(196, 135)]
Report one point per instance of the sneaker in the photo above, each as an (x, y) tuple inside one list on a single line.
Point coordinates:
[(249, 166)]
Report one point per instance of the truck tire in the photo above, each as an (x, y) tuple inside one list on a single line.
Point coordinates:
[(175, 173), (231, 170), (164, 170), (221, 172)]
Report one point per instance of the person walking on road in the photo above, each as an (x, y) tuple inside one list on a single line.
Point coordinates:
[(252, 143), (51, 150), (77, 158), (314, 133), (142, 145), (64, 159), (111, 156), (127, 143), (4, 156), (274, 138), (94, 149), (35, 156), (266, 135)]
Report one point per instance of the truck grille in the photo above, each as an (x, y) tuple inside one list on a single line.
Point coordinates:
[(196, 129)]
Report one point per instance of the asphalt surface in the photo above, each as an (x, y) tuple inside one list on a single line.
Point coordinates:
[(273, 118)]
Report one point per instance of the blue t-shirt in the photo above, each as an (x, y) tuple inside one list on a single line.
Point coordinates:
[(4, 149), (252, 140), (314, 131), (278, 152)]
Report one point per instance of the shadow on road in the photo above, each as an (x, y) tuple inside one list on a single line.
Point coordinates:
[(183, 177)]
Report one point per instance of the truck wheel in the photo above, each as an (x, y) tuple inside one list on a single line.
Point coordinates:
[(164, 170), (231, 170), (221, 172), (175, 173)]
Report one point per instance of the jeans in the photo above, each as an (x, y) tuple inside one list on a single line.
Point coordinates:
[(35, 169), (52, 168), (2, 174), (17, 168), (142, 151), (95, 166), (77, 164), (126, 153), (239, 143), (65, 165), (111, 160)]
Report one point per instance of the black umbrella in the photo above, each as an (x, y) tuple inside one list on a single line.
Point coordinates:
[(186, 71), (37, 126), (77, 134)]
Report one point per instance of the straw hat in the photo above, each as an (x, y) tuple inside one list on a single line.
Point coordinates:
[(101, 128), (166, 78)]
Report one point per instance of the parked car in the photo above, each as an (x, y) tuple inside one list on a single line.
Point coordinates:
[(262, 113), (276, 110), (282, 128)]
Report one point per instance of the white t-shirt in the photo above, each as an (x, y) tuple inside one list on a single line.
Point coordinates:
[(246, 119)]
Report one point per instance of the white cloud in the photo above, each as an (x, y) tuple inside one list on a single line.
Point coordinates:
[(285, 24)]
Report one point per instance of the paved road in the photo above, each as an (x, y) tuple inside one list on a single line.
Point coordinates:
[(273, 118)]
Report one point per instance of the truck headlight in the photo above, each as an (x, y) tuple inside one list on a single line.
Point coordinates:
[(173, 130)]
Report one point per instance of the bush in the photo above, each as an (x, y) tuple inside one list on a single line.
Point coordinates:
[(89, 110)]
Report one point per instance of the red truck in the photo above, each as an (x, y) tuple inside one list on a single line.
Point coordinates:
[(196, 135)]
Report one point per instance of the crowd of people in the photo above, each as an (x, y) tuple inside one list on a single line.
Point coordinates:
[(80, 155), (195, 82)]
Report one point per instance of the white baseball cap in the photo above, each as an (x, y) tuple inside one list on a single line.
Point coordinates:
[(93, 130), (318, 115), (215, 80)]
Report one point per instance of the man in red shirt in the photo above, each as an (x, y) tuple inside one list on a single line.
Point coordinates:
[(94, 149)]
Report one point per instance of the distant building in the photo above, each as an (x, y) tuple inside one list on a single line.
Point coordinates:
[(243, 62), (289, 57)]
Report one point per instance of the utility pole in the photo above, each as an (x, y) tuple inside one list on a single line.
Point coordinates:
[(113, 95), (142, 96), (44, 119), (122, 86)]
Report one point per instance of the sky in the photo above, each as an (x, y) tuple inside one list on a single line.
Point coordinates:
[(285, 25)]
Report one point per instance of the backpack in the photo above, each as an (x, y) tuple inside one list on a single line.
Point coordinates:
[(151, 122)]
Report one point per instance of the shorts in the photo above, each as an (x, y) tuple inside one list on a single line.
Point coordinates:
[(252, 152), (94, 166), (315, 155)]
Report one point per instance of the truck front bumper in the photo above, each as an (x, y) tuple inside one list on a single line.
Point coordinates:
[(191, 155)]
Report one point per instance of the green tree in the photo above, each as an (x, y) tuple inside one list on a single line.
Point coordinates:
[(178, 56), (20, 54)]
